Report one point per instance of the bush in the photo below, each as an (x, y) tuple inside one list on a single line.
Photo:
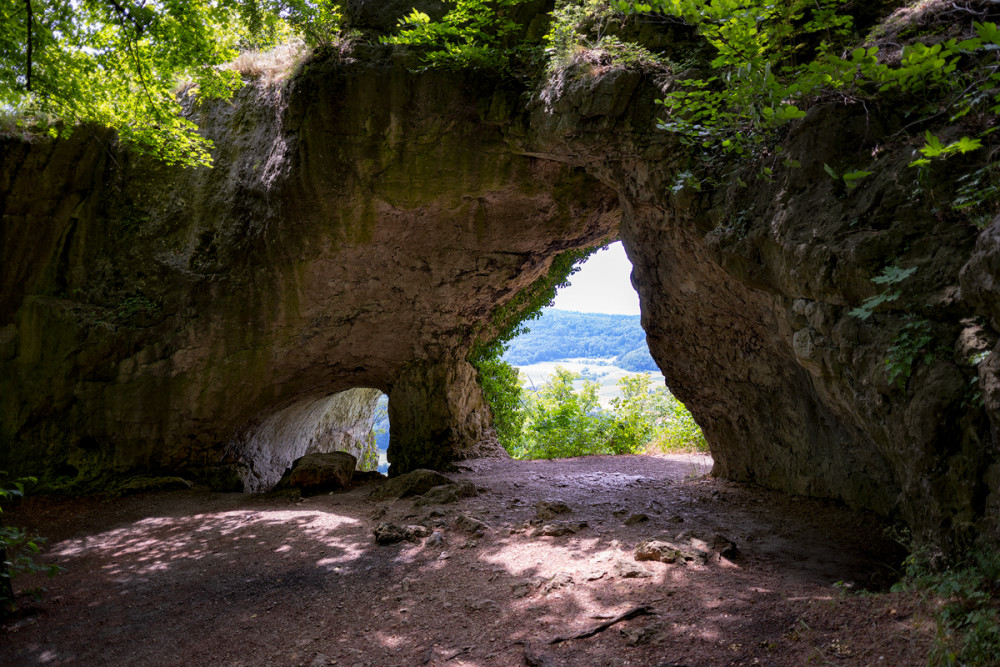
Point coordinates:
[(969, 595), (562, 421), (18, 551)]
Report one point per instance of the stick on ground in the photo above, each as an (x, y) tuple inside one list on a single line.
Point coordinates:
[(641, 610)]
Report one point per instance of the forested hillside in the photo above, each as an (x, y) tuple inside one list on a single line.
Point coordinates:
[(560, 334)]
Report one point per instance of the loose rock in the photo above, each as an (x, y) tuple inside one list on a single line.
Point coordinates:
[(414, 483), (470, 524), (548, 509), (629, 570), (389, 533), (560, 528), (447, 493)]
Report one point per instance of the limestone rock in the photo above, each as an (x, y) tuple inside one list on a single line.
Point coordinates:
[(446, 493), (389, 533), (560, 528), (557, 582), (317, 473), (412, 483), (182, 322), (548, 509), (628, 570), (470, 524), (666, 552)]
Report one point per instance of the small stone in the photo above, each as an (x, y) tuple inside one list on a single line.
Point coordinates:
[(389, 533), (548, 509), (636, 517), (319, 661), (657, 550), (629, 570), (436, 539), (676, 518), (470, 524), (560, 528), (639, 636), (560, 580), (485, 605), (416, 532), (447, 493), (666, 551)]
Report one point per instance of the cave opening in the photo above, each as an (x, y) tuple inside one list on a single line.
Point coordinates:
[(592, 332), (345, 421)]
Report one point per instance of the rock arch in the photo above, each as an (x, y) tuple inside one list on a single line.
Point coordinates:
[(361, 223)]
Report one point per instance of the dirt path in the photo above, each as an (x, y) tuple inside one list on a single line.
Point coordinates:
[(197, 578)]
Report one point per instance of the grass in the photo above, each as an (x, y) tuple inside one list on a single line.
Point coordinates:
[(271, 66)]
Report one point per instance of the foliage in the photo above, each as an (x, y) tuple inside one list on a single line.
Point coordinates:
[(969, 595), (560, 334), (120, 63), (912, 344), (890, 275), (770, 59), (496, 377), (475, 33), (581, 27), (501, 387), (676, 429), (18, 550), (562, 420)]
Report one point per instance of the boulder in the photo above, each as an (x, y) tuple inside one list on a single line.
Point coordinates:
[(316, 473)]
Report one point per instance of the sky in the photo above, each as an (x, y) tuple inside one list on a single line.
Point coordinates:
[(602, 285)]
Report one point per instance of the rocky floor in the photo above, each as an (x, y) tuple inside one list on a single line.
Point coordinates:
[(539, 568)]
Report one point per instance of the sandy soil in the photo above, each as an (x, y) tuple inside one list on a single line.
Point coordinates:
[(199, 578)]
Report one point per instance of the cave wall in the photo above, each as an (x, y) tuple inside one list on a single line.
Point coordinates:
[(357, 227), (746, 289), (363, 221)]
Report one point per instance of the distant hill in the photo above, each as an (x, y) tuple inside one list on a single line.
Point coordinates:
[(562, 334)]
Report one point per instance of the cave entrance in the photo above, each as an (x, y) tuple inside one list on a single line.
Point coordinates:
[(344, 421), (593, 330)]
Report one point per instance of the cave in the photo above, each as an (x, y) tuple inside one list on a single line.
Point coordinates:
[(362, 226)]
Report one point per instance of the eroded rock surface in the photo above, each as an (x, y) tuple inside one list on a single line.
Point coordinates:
[(747, 291), (358, 227), (361, 223)]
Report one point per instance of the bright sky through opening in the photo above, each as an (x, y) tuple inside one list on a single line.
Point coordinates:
[(602, 285)]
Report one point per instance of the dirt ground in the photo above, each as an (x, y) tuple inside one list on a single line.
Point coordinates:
[(200, 578)]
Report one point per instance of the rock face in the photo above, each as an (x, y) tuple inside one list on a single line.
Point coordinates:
[(338, 423), (357, 228), (747, 293), (362, 223)]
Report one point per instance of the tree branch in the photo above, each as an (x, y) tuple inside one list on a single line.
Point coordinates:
[(27, 4)]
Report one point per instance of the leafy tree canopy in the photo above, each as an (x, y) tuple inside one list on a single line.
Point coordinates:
[(123, 63)]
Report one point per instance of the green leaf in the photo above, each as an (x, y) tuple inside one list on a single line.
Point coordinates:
[(828, 169), (851, 178)]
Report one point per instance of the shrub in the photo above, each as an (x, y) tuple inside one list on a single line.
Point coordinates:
[(18, 551)]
